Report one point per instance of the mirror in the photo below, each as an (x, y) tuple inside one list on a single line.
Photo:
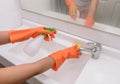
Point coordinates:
[(107, 17)]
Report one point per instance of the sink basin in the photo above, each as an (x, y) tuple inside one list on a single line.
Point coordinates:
[(66, 74), (84, 70), (104, 70)]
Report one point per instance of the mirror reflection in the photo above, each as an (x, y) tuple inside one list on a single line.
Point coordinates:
[(97, 14), (79, 9)]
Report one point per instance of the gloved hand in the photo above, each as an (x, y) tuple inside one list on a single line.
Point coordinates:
[(60, 56), (73, 10), (89, 22), (21, 35)]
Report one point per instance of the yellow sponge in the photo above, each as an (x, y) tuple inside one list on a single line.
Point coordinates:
[(79, 44)]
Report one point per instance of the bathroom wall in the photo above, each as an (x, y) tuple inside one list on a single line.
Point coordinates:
[(10, 14), (44, 6)]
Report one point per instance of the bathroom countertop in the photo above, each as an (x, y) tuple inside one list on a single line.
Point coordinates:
[(104, 70)]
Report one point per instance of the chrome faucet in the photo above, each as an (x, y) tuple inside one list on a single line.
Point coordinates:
[(93, 48)]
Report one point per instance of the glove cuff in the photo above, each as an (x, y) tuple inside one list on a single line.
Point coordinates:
[(20, 35), (58, 62), (89, 22)]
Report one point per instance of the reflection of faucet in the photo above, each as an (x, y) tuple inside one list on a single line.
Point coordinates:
[(93, 48)]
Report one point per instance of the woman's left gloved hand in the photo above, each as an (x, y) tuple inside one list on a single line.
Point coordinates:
[(21, 35), (61, 55)]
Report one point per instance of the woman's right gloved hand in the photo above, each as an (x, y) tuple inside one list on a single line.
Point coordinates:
[(60, 56), (73, 10), (24, 34)]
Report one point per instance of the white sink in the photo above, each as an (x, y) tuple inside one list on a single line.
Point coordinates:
[(105, 70), (67, 73), (84, 70)]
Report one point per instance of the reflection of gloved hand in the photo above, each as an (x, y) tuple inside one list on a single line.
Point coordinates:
[(60, 56), (73, 10), (89, 22), (21, 35)]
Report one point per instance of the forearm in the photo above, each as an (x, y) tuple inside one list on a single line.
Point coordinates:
[(4, 37), (20, 73), (92, 9)]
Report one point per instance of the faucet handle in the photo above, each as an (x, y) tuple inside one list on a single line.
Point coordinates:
[(96, 49), (92, 44)]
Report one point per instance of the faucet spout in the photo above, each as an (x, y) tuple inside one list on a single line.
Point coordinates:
[(93, 48)]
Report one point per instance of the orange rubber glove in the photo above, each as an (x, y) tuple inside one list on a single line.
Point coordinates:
[(21, 35), (73, 10), (89, 22), (60, 56)]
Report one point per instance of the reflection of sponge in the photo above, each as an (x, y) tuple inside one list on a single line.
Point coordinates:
[(79, 44)]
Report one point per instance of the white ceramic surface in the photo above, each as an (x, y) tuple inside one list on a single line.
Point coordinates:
[(84, 70), (67, 73), (105, 70), (10, 14)]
